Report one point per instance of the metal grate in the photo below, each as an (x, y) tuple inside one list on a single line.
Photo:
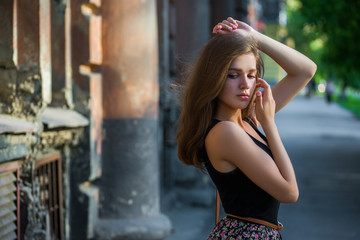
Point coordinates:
[(9, 201), (49, 175)]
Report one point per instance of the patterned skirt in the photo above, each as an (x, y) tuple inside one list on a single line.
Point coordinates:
[(234, 229)]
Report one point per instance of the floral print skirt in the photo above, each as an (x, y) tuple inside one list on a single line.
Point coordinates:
[(234, 229)]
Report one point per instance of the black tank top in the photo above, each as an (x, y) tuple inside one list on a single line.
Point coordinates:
[(238, 194)]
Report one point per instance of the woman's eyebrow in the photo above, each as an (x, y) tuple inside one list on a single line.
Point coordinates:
[(241, 70)]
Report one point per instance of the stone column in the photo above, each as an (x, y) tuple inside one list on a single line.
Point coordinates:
[(193, 30), (129, 186), (220, 10), (242, 10)]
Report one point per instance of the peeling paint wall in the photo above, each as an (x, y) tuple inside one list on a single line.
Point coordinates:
[(27, 102), (19, 85), (56, 139), (8, 80), (20, 92)]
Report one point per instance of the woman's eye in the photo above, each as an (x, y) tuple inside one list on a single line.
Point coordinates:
[(232, 76), (251, 76)]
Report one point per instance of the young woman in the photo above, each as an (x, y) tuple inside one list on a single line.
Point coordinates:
[(218, 127)]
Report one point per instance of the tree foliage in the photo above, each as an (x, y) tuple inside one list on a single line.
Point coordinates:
[(330, 30)]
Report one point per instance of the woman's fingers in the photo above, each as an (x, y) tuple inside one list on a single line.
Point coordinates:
[(258, 100), (264, 102), (233, 21), (222, 28), (267, 88), (263, 83), (233, 24), (259, 106), (225, 26)]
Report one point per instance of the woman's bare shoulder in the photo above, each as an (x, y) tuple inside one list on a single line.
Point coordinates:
[(224, 140), (225, 131)]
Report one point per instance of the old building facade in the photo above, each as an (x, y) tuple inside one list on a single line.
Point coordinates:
[(87, 114)]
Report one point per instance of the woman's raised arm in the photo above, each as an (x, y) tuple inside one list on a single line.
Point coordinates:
[(299, 68)]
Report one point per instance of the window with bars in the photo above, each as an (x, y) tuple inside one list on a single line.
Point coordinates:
[(49, 176), (9, 201)]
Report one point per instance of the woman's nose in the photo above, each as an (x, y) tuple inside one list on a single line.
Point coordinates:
[(244, 82)]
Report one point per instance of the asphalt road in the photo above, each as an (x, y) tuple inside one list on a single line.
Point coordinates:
[(323, 142)]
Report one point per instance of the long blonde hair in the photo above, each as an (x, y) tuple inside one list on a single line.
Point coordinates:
[(205, 82)]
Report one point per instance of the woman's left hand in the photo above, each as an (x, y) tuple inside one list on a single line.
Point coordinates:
[(264, 103)]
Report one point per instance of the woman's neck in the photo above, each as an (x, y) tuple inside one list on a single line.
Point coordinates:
[(229, 115)]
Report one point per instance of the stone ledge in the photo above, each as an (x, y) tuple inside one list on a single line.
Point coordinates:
[(58, 117), (10, 124)]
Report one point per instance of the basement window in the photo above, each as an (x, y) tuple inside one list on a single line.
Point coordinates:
[(48, 174)]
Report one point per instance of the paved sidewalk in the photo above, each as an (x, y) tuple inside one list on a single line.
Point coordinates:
[(323, 142)]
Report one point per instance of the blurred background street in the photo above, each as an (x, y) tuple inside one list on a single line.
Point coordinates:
[(89, 105)]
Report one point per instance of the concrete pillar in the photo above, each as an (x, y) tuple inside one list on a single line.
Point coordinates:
[(193, 30), (220, 10), (129, 186), (167, 97), (242, 10)]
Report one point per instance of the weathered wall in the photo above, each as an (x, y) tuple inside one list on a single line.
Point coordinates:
[(20, 85), (25, 136)]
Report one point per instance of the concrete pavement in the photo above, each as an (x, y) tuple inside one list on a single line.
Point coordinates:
[(323, 142)]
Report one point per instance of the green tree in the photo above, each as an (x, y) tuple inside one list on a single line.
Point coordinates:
[(330, 30)]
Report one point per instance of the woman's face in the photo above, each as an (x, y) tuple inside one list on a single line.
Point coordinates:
[(240, 83)]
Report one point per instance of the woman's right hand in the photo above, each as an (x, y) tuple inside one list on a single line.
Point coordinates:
[(231, 25), (264, 103)]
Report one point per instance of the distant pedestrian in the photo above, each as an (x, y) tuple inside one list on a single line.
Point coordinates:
[(218, 129), (311, 88), (329, 90)]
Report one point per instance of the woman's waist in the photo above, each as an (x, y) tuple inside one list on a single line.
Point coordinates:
[(265, 210)]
